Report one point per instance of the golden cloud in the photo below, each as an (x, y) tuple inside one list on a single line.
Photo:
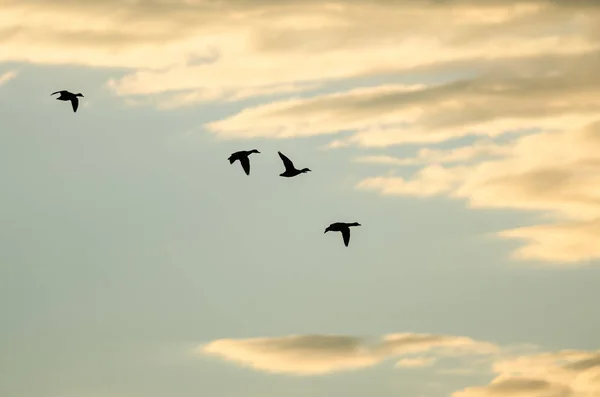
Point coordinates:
[(416, 362), (563, 374), (481, 148), (556, 173), (398, 114), (532, 66), (566, 373), (322, 354), (198, 49)]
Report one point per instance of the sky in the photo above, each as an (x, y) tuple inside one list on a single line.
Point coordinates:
[(463, 135)]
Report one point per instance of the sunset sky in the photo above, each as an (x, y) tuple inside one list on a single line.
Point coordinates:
[(464, 136)]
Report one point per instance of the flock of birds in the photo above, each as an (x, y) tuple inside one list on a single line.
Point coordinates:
[(243, 156)]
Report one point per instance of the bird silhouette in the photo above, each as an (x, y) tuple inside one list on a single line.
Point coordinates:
[(68, 96), (243, 157), (290, 170), (342, 227)]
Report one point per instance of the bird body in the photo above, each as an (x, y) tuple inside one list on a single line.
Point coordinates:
[(69, 96), (243, 157), (342, 227), (290, 170)]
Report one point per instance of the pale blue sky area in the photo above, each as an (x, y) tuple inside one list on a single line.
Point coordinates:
[(126, 242)]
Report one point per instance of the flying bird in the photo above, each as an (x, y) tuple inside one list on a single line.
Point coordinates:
[(243, 157), (68, 96), (290, 170), (342, 227)]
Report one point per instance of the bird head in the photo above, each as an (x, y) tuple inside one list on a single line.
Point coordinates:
[(355, 224), (79, 94), (305, 170), (254, 151), (327, 229)]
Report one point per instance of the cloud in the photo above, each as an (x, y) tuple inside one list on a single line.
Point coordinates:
[(416, 362), (220, 48), (301, 355), (546, 95), (482, 68), (555, 174), (482, 148), (310, 42), (429, 181), (7, 76), (322, 354), (566, 373)]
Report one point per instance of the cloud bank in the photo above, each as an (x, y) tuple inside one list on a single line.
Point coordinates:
[(211, 50)]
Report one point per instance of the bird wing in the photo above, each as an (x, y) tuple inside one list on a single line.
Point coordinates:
[(286, 162), (346, 236), (245, 161), (75, 103)]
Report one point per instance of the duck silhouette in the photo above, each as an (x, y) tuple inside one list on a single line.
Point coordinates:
[(68, 96), (243, 157), (342, 227), (290, 170)]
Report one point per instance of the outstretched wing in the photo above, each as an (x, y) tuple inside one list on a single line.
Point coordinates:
[(286, 162), (75, 103), (346, 235), (245, 161)]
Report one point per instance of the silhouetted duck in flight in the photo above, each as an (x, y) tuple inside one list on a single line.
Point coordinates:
[(290, 170), (342, 227), (243, 157), (68, 96)]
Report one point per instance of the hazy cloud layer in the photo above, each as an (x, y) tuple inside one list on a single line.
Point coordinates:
[(321, 354), (553, 173), (217, 49)]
